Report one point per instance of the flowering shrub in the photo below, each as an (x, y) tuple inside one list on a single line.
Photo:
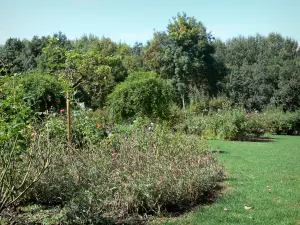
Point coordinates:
[(20, 170), (135, 171), (85, 128)]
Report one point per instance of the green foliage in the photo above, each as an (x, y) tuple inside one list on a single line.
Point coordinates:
[(86, 129), (85, 43), (256, 124), (10, 56), (106, 47), (184, 55), (289, 79), (203, 105), (199, 102), (143, 94), (132, 57), (256, 72), (21, 97), (261, 71), (280, 122), (53, 57), (219, 103), (42, 91), (32, 51), (18, 56), (20, 170), (135, 172), (15, 114), (94, 75), (228, 124)]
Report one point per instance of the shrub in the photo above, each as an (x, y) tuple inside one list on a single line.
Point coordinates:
[(15, 114), (198, 101), (202, 105), (142, 94), (219, 103), (280, 122), (229, 124), (137, 170), (21, 169), (196, 125), (226, 124), (86, 127), (42, 91), (256, 124)]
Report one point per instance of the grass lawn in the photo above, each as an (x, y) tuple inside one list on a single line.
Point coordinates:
[(264, 176)]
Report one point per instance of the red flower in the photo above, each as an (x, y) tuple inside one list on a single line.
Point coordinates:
[(115, 155), (99, 125), (62, 111)]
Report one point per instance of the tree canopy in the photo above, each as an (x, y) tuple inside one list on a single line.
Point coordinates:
[(256, 72)]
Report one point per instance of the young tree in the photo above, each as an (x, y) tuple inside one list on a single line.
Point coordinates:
[(94, 75)]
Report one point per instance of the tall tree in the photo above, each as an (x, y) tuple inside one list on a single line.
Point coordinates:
[(184, 54), (255, 69), (10, 56)]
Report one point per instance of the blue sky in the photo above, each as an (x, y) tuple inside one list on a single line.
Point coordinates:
[(135, 20)]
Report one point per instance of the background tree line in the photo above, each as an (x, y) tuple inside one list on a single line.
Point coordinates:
[(256, 72)]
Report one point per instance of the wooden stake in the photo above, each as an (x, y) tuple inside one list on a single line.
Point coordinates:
[(183, 105), (69, 118)]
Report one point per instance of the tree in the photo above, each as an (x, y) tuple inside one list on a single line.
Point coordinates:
[(106, 47), (184, 54), (132, 57), (32, 51), (85, 43), (141, 94), (94, 75), (10, 56), (42, 91), (255, 69), (288, 95), (53, 57)]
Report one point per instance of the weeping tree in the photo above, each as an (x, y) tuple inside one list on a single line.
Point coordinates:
[(141, 94)]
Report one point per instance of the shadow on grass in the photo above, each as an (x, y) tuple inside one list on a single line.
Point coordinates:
[(207, 198), (219, 152), (258, 139)]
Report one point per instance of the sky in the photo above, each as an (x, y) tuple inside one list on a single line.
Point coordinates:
[(133, 21)]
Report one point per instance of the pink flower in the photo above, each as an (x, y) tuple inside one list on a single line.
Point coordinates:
[(115, 155), (34, 134), (62, 111), (99, 125)]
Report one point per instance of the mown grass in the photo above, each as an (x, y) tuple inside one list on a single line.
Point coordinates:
[(262, 175)]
